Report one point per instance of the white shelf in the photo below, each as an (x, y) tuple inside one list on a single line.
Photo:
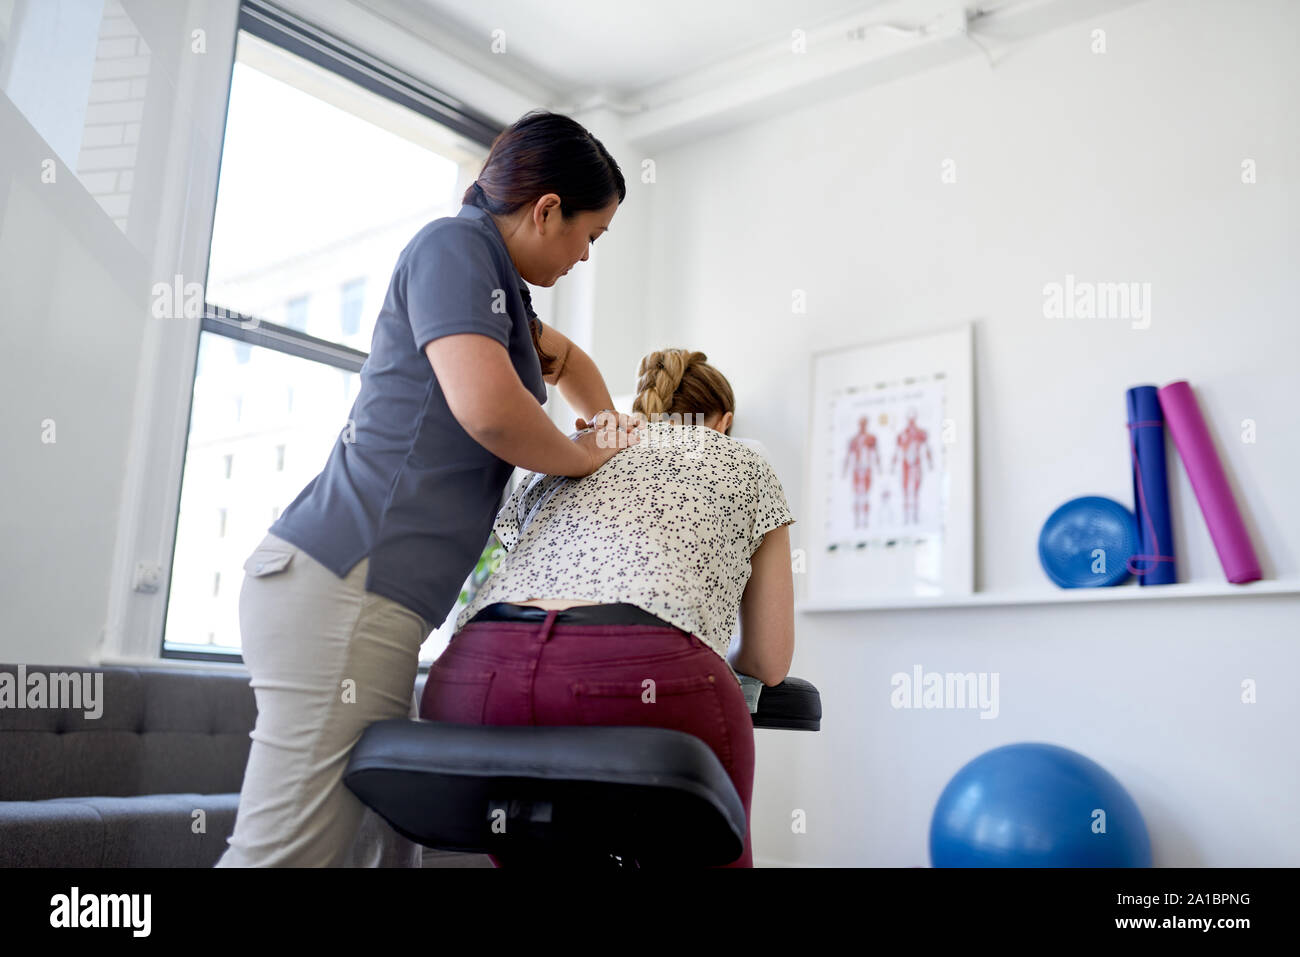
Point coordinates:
[(1053, 596)]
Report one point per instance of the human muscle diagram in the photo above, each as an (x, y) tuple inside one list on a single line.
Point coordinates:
[(912, 441), (888, 467), (863, 459)]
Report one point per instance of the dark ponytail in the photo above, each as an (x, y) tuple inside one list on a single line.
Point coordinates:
[(540, 153)]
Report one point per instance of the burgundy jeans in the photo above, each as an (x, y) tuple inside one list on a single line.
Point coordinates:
[(562, 673)]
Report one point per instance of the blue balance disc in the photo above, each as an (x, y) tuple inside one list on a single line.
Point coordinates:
[(1087, 542)]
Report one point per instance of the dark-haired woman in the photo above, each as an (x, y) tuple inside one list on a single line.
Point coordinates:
[(371, 556)]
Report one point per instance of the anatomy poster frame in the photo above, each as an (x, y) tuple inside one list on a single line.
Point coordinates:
[(885, 419)]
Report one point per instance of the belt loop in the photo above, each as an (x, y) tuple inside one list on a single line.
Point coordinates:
[(545, 633)]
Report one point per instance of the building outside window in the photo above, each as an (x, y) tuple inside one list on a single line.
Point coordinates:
[(353, 297), (295, 313)]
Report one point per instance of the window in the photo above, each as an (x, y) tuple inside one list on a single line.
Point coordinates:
[(221, 523), (302, 222), (295, 313), (353, 298)]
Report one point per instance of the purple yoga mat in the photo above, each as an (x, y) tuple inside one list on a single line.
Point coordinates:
[(1192, 438)]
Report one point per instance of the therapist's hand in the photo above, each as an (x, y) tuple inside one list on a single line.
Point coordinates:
[(626, 420), (601, 445)]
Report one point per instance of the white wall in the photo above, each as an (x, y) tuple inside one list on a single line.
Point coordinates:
[(75, 302), (1117, 167)]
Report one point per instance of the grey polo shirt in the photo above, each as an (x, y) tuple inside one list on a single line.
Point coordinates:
[(404, 483)]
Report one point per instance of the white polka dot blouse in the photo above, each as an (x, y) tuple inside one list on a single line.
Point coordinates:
[(668, 525)]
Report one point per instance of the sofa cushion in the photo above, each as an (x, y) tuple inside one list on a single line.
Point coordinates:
[(152, 830)]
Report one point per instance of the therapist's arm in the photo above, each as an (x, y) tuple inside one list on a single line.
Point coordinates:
[(576, 375), (485, 395)]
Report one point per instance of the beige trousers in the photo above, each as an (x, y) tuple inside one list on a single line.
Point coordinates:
[(327, 659)]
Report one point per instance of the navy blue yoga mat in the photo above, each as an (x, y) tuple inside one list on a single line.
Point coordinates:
[(1154, 562)]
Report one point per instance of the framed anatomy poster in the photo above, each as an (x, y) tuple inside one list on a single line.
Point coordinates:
[(891, 467)]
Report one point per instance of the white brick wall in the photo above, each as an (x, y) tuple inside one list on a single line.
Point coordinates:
[(106, 164)]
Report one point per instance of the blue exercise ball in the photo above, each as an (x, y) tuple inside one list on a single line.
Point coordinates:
[(1037, 805)]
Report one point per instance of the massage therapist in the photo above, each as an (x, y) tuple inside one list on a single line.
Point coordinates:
[(371, 556)]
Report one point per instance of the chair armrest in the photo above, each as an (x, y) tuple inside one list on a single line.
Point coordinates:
[(794, 704)]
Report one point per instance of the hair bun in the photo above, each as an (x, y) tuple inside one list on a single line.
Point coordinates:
[(681, 380)]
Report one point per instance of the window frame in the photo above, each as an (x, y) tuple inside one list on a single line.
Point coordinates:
[(294, 35)]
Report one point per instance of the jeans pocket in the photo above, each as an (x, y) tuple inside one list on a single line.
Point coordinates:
[(455, 695), (688, 704)]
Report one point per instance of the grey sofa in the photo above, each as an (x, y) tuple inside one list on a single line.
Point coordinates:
[(124, 789)]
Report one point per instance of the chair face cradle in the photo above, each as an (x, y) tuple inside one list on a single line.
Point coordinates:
[(578, 795)]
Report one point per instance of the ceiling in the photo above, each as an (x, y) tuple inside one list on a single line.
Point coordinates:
[(619, 47), (680, 69)]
